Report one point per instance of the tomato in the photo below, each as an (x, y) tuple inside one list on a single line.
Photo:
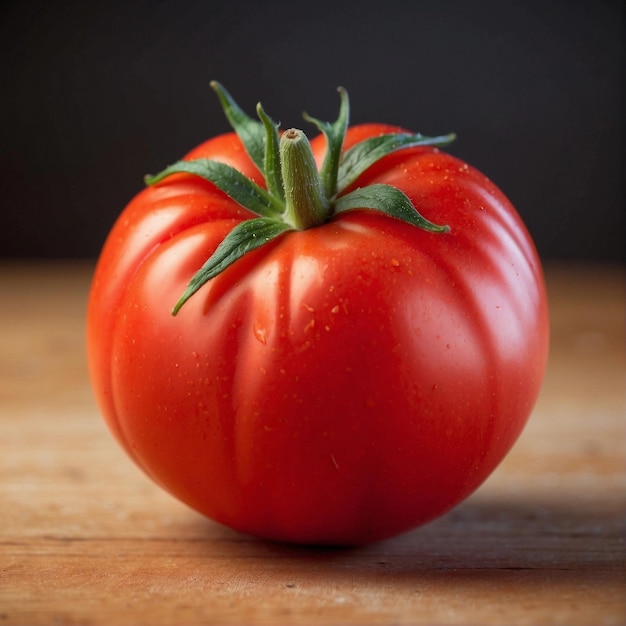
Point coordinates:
[(340, 384)]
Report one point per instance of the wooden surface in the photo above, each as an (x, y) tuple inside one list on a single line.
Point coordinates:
[(85, 538)]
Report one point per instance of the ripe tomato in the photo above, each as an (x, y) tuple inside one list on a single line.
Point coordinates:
[(342, 383)]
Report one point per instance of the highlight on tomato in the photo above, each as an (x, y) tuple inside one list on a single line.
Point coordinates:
[(325, 342)]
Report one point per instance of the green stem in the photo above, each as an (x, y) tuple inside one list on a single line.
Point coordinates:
[(296, 196), (306, 204)]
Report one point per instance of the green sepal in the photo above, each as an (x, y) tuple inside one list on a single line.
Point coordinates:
[(334, 134), (364, 154), (250, 131), (232, 182), (271, 163), (388, 200), (244, 238), (295, 194)]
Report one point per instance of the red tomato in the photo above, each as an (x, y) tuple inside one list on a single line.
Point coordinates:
[(343, 383)]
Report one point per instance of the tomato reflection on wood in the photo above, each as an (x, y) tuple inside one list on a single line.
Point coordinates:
[(325, 342)]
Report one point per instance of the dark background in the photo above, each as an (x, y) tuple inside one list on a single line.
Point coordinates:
[(95, 94)]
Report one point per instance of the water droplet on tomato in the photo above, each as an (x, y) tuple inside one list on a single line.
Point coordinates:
[(259, 332)]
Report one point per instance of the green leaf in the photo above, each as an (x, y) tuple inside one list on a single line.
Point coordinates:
[(334, 134), (244, 238), (365, 153), (390, 201), (232, 182), (271, 163), (250, 131), (294, 194)]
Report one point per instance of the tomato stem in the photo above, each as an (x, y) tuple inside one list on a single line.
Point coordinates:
[(297, 196), (306, 204)]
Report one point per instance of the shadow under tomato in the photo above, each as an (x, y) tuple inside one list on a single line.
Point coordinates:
[(500, 554), (480, 535)]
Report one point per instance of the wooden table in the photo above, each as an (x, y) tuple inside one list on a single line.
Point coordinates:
[(85, 538)]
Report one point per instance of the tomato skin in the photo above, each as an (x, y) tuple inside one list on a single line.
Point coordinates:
[(340, 385)]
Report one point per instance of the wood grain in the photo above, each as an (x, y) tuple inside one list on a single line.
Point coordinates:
[(85, 538)]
